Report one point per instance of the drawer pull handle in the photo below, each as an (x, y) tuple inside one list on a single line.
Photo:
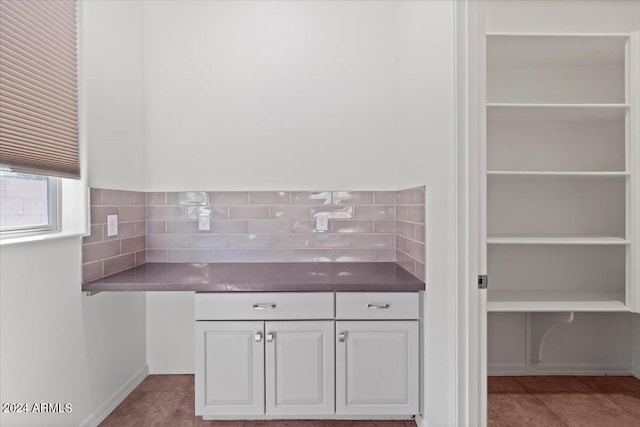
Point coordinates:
[(342, 336), (264, 306), (378, 306), (258, 336), (270, 337)]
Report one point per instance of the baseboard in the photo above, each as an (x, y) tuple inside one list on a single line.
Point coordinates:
[(420, 422), (563, 369), (635, 371), (586, 369), (502, 369), (105, 409)]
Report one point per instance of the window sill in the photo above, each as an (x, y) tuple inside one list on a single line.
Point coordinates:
[(13, 240)]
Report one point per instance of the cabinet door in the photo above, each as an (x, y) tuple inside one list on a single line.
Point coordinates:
[(299, 368), (229, 368), (377, 367)]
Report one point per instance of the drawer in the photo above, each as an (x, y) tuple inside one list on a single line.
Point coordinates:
[(377, 305), (264, 306)]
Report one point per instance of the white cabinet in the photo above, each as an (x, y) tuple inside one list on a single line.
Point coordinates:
[(299, 365), (229, 368), (377, 367), (234, 359), (256, 358)]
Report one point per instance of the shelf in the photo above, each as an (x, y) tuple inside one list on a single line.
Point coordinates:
[(554, 301), (556, 240), (559, 35), (602, 174), (556, 113)]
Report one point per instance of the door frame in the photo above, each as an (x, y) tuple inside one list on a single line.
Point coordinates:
[(471, 212)]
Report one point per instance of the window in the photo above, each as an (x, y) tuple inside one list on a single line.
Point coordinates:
[(28, 203), (38, 112)]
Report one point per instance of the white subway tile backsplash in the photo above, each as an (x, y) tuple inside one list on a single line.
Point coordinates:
[(188, 255), (269, 197), (352, 197), (373, 241), (166, 241), (125, 229), (304, 226), (270, 255), (384, 226), (354, 255), (334, 211), (385, 254), (332, 241), (248, 212), (291, 241), (374, 212), (311, 198), (156, 199), (352, 226), (410, 231), (290, 212), (248, 241), (182, 227), (166, 213), (229, 198), (258, 226), (157, 255), (118, 198), (312, 255), (206, 241), (156, 227), (229, 226), (384, 197), (214, 212), (269, 226), (229, 255)]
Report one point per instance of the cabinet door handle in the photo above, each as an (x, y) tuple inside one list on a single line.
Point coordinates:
[(342, 336), (258, 336), (270, 337), (378, 306), (264, 306)]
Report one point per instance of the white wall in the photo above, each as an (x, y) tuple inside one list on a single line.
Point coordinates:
[(57, 345), (262, 95), (114, 94), (425, 149), (592, 343), (635, 340)]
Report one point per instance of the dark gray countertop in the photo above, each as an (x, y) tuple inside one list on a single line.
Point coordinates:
[(262, 277)]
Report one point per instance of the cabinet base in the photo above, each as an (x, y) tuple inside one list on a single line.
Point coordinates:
[(310, 417)]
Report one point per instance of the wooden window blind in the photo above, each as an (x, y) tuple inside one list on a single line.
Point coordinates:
[(39, 87)]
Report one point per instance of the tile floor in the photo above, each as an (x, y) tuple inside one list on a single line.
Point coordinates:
[(167, 401), (574, 401)]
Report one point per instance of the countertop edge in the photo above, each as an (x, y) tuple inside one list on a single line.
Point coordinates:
[(400, 280)]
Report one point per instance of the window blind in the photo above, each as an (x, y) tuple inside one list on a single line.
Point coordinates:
[(39, 87)]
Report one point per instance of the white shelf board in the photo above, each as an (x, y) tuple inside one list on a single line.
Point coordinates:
[(553, 301), (556, 240), (559, 173), (532, 34), (555, 50), (499, 112)]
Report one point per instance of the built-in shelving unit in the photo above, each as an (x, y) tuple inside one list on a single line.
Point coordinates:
[(559, 171)]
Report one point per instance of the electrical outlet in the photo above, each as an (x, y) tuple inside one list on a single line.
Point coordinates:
[(322, 222), (204, 222), (112, 225)]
